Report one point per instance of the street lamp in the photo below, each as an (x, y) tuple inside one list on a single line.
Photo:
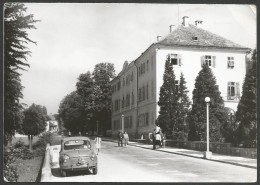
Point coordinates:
[(123, 123), (207, 154)]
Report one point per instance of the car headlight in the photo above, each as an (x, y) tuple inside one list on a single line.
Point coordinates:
[(93, 157), (65, 158)]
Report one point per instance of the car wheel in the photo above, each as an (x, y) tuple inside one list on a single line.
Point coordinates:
[(95, 170)]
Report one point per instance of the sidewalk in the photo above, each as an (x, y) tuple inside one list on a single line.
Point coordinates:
[(234, 160)]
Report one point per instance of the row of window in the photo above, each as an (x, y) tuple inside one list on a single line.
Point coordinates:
[(143, 94), (128, 123), (210, 60)]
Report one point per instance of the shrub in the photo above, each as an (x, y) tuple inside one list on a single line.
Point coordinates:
[(22, 152), (44, 138), (10, 171), (19, 144)]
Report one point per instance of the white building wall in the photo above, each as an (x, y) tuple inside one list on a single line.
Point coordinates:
[(191, 65)]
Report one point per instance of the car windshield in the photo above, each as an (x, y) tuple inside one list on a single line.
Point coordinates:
[(77, 144)]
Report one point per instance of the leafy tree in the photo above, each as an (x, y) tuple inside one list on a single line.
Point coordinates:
[(34, 122), (183, 105), (16, 24), (87, 92), (71, 111), (168, 100), (205, 86), (102, 75), (246, 110)]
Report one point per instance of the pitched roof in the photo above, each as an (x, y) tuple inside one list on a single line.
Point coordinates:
[(183, 36)]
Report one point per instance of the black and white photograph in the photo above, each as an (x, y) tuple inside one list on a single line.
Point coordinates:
[(129, 92)]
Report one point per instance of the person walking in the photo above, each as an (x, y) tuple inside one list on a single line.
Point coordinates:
[(154, 141), (125, 138), (98, 144), (120, 138), (163, 139), (69, 133)]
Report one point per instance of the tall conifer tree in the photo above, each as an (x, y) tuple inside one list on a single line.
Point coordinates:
[(183, 106), (205, 86), (246, 110), (168, 99)]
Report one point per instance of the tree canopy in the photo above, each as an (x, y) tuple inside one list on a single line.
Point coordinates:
[(16, 38), (91, 102), (71, 110), (34, 121)]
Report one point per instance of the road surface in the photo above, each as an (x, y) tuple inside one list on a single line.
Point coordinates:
[(134, 164)]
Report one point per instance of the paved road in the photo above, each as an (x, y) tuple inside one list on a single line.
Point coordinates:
[(133, 164)]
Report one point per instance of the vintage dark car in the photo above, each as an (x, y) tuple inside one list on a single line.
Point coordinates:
[(77, 153)]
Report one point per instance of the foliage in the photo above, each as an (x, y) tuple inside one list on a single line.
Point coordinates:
[(10, 171), (34, 120), (16, 24), (205, 86), (71, 111), (87, 93), (81, 109), (44, 139), (168, 100), (246, 111), (183, 105), (22, 152), (18, 144), (102, 75)]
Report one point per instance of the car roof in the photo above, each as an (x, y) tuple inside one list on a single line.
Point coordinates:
[(75, 138)]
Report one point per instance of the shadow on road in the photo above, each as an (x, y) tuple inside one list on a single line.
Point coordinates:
[(56, 172)]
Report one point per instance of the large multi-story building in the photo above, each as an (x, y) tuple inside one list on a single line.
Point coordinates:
[(135, 91)]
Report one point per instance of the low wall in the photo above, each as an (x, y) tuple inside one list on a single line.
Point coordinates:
[(244, 152), (219, 148)]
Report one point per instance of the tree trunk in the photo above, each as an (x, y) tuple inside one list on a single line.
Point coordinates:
[(30, 142)]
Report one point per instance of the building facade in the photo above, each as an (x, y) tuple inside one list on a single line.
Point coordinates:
[(135, 91)]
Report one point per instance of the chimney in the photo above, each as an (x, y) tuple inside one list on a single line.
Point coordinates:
[(158, 38), (171, 28), (185, 21), (198, 23)]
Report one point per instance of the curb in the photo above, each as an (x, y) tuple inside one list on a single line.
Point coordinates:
[(46, 168), (227, 162)]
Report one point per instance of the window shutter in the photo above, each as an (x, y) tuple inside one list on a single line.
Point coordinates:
[(214, 61), (237, 90), (228, 90), (180, 62), (202, 60)]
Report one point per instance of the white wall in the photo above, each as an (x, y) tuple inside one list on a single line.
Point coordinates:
[(191, 65)]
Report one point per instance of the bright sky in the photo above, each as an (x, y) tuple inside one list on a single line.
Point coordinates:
[(72, 38)]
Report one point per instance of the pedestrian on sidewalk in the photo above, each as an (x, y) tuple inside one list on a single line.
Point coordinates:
[(125, 139), (120, 138), (69, 134), (154, 141), (163, 139), (98, 144)]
